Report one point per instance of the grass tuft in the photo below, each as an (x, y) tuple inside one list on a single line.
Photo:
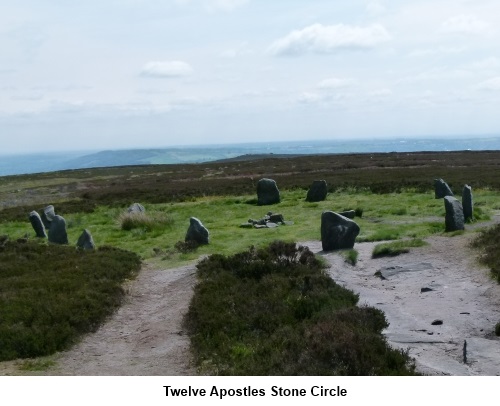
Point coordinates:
[(392, 249), (351, 256), (143, 221)]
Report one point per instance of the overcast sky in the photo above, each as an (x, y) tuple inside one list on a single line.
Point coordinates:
[(98, 74)]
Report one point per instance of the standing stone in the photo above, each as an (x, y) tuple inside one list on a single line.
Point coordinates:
[(85, 241), (37, 224), (197, 232), (57, 231), (454, 219), (350, 214), (136, 208), (267, 192), (337, 232), (441, 189), (47, 215), (467, 203), (317, 192)]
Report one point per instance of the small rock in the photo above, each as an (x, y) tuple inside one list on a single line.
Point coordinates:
[(423, 290), (437, 322), (136, 208)]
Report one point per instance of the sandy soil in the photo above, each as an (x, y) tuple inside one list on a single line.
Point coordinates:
[(145, 335)]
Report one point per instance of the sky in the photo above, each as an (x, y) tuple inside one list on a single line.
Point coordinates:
[(114, 74)]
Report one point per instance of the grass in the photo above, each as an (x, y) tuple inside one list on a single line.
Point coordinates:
[(392, 249), (165, 224), (274, 311), (50, 295)]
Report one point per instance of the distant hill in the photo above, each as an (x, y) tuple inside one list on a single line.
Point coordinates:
[(34, 163)]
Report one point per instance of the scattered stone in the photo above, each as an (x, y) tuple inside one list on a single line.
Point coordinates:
[(136, 208), (267, 192), (57, 231), (37, 224), (437, 322), (350, 214), (337, 232), (276, 218), (424, 290), (467, 203), (270, 224), (197, 232), (85, 241), (441, 189), (454, 219), (246, 225), (317, 192)]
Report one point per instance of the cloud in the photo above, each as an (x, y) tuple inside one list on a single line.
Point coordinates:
[(319, 38), (490, 84), (466, 24), (166, 69), (215, 5), (335, 83)]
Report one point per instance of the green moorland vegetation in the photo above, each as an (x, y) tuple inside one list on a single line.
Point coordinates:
[(392, 192), (274, 311)]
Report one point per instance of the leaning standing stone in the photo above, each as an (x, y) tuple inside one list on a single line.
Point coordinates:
[(57, 231), (441, 189), (467, 203), (47, 215), (317, 192), (337, 232), (197, 232), (85, 241), (454, 219), (267, 192), (37, 224)]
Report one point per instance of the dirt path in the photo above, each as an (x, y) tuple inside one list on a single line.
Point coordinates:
[(441, 281), (145, 336)]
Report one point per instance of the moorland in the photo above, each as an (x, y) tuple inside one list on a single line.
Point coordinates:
[(392, 194)]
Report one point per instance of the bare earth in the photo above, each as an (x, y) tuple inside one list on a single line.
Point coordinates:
[(145, 335)]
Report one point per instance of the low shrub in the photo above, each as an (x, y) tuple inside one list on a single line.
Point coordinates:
[(52, 294), (186, 247), (488, 243), (275, 311)]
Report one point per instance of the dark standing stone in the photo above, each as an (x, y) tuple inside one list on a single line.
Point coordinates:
[(37, 224), (454, 219), (136, 208), (276, 218), (85, 241), (197, 232), (317, 192), (441, 189), (467, 203), (267, 192), (350, 214), (57, 231), (337, 232)]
